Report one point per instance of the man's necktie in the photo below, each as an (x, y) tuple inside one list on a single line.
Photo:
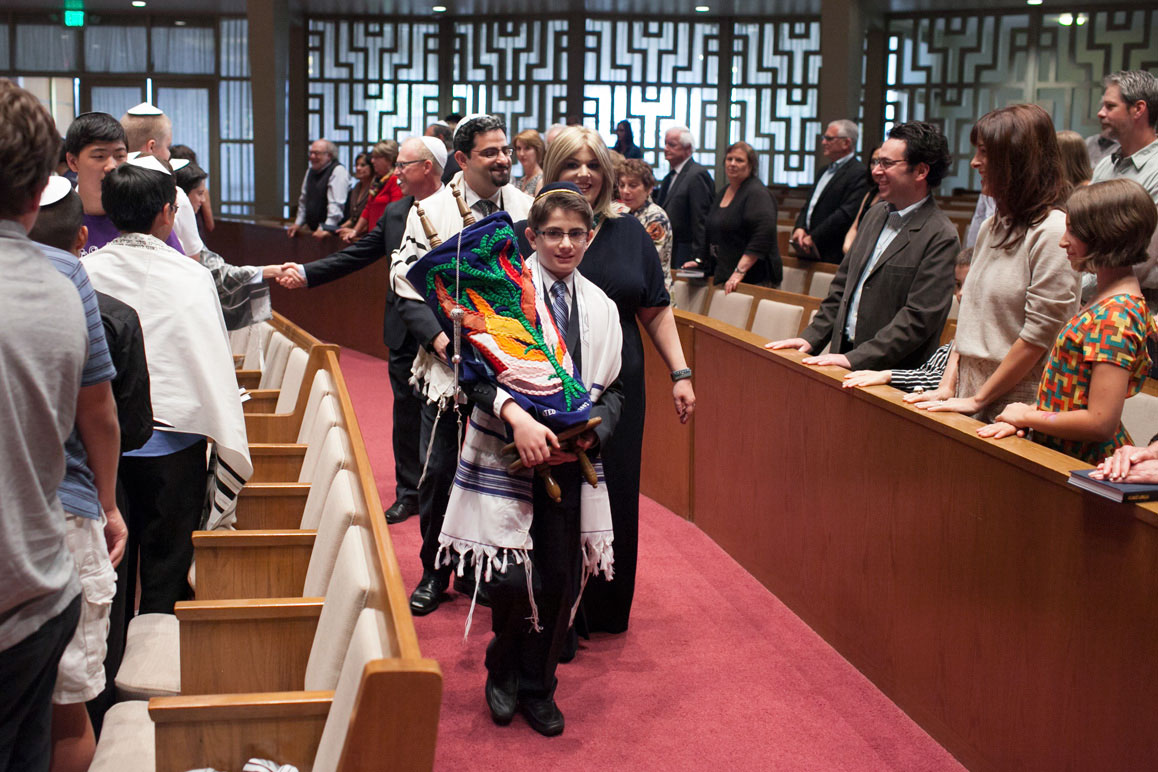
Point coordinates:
[(485, 206), (559, 309), (664, 186)]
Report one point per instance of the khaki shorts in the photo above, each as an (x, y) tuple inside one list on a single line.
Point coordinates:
[(81, 675)]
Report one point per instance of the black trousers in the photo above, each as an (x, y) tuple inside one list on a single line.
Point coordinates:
[(27, 675), (166, 502), (434, 492), (516, 649), (407, 426)]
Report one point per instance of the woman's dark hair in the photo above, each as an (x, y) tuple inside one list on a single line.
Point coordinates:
[(133, 197), (633, 167), (1023, 168), (190, 176), (1075, 157), (1115, 219), (748, 151), (620, 144)]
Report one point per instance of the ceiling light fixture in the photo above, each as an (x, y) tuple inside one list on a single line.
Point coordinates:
[(439, 9), (179, 23), (702, 8), (1081, 19), (1033, 2), (139, 3)]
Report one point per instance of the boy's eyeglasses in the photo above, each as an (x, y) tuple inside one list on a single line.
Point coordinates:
[(554, 236)]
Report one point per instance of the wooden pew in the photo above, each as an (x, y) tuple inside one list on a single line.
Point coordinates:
[(1010, 614), (388, 708)]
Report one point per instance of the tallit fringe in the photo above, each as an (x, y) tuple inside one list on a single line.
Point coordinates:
[(598, 558), (485, 560)]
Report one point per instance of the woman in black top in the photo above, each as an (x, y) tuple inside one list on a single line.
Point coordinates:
[(625, 144), (621, 261), (740, 232)]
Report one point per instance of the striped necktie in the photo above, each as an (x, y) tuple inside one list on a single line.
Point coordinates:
[(485, 206), (559, 308)]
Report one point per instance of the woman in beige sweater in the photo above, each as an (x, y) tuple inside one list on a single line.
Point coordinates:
[(1021, 288)]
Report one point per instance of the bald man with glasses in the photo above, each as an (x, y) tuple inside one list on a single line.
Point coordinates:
[(826, 217)]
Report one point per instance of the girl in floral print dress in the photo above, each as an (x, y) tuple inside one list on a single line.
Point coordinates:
[(1100, 356)]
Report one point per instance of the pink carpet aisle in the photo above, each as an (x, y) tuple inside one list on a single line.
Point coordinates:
[(715, 671)]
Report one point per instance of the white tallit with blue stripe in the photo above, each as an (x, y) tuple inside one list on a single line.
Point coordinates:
[(488, 518)]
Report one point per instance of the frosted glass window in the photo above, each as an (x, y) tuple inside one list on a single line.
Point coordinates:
[(234, 48), (45, 48), (186, 50), (116, 100), (188, 108), (115, 49)]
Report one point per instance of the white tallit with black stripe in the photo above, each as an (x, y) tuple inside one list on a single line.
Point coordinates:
[(191, 375), (488, 518)]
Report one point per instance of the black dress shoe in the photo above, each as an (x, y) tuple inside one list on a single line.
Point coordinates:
[(399, 513), (543, 715), (426, 596), (502, 700)]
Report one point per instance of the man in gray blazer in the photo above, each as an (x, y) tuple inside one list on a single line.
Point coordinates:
[(686, 195), (891, 294)]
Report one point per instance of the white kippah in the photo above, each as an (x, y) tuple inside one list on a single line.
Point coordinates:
[(144, 108), (467, 119), (147, 162), (178, 163), (437, 149), (57, 188)]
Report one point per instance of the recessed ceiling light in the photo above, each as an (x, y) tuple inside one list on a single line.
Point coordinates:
[(1033, 2), (1081, 19), (702, 9), (139, 3), (179, 23), (439, 9), (1066, 19)]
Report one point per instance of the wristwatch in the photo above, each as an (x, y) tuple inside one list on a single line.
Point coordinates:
[(680, 375)]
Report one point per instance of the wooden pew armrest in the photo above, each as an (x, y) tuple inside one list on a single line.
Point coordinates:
[(271, 505), (262, 401), (246, 645), (251, 564), (249, 379), (225, 731), (276, 461), (272, 427)]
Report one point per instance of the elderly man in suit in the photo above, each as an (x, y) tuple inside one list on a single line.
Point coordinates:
[(420, 163), (834, 200), (891, 295), (686, 195)]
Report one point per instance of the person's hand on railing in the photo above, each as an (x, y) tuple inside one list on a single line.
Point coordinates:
[(828, 360), (938, 394), (1130, 464), (800, 344), (862, 378)]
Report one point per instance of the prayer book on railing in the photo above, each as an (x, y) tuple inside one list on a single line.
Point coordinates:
[(1132, 492)]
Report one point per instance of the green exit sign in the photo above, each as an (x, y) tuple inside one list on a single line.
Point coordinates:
[(74, 18)]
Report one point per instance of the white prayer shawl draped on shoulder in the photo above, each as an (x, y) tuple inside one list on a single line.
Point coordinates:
[(488, 518), (191, 373), (430, 375)]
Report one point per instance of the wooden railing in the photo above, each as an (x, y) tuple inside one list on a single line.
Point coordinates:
[(1008, 613)]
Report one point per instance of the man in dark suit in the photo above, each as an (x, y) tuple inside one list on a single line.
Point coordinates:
[(891, 295), (685, 194), (833, 203), (419, 168)]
